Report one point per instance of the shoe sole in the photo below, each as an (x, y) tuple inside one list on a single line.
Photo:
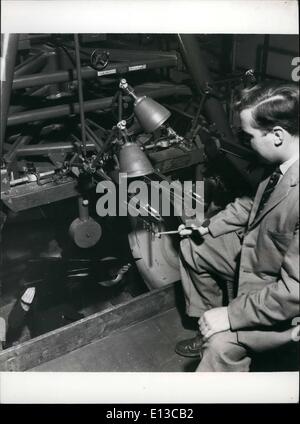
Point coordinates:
[(188, 354)]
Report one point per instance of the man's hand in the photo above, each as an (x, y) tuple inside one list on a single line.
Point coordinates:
[(214, 321), (183, 231)]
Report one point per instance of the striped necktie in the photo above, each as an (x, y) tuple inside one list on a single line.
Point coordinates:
[(274, 178)]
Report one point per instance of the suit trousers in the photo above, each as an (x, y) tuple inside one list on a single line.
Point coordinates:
[(203, 267)]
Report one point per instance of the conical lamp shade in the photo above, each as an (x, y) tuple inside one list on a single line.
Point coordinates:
[(150, 114), (133, 161)]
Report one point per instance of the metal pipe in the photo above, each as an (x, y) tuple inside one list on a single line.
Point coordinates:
[(52, 78), (20, 142), (30, 178), (57, 111), (92, 105), (53, 90), (48, 148), (233, 69), (265, 56), (9, 54), (202, 78), (120, 106), (32, 64), (213, 107), (89, 73), (80, 94), (83, 206)]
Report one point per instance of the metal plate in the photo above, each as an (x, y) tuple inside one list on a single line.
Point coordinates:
[(159, 264)]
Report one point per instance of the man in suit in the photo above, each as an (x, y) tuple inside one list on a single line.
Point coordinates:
[(252, 242)]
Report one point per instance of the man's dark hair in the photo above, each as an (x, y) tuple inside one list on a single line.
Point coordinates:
[(273, 104)]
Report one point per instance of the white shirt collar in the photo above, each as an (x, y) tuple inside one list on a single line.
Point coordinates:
[(287, 164)]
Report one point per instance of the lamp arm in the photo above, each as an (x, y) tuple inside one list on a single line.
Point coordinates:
[(127, 88)]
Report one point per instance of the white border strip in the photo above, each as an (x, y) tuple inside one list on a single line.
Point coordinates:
[(151, 16), (29, 387)]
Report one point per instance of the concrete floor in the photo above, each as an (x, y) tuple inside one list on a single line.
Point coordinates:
[(146, 347)]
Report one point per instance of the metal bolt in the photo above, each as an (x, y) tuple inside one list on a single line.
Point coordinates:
[(123, 83), (121, 125)]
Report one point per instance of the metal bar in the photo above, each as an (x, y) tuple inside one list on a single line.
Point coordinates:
[(47, 148), (197, 116), (51, 78), (202, 78), (93, 137), (80, 94), (166, 232), (129, 54), (165, 160), (233, 70), (92, 105), (12, 153), (89, 73), (32, 64), (9, 54), (83, 208), (265, 56), (57, 111), (213, 107), (120, 106)]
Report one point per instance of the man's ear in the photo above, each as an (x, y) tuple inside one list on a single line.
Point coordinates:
[(279, 134)]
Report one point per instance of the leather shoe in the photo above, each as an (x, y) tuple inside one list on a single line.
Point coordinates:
[(191, 348)]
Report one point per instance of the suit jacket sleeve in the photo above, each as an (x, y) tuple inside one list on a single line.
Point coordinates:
[(233, 217), (276, 302)]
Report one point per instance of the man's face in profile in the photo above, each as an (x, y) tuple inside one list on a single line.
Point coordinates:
[(262, 142)]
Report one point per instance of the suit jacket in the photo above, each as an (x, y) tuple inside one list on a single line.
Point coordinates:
[(268, 281)]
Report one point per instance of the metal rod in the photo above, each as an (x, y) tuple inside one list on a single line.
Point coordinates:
[(150, 247), (120, 106), (83, 206), (233, 154), (87, 72), (30, 178), (52, 78), (213, 107), (80, 93), (197, 116), (202, 78), (161, 233), (20, 142), (89, 106), (233, 68), (56, 111), (45, 149), (97, 140), (265, 56), (9, 54), (32, 64)]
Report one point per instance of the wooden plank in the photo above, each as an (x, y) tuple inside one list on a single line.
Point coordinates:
[(147, 346), (80, 333)]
